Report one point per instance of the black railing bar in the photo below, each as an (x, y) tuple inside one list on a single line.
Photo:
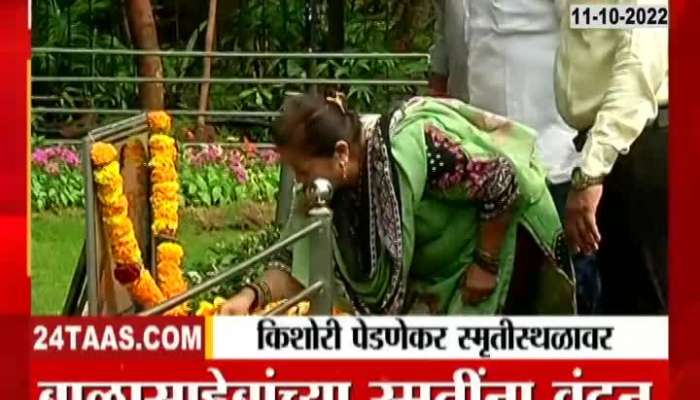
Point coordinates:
[(242, 81), (109, 111), (223, 54), (225, 275)]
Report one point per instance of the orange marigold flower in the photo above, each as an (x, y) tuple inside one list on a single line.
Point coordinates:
[(160, 144), (103, 153), (160, 175), (206, 309), (120, 226), (168, 251), (145, 291), (164, 227), (168, 190), (183, 310), (126, 250), (110, 192), (167, 215), (118, 207), (159, 122), (170, 278), (108, 174)]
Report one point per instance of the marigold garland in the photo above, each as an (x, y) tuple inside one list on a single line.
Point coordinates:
[(170, 277), (120, 231), (129, 270), (165, 202), (159, 122)]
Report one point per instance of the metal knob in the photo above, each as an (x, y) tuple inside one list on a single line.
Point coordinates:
[(319, 192)]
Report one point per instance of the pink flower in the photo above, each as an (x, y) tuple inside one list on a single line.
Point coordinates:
[(240, 173), (58, 155), (40, 157), (269, 157), (237, 165)]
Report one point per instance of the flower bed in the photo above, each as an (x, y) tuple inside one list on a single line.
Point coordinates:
[(210, 175), (56, 178)]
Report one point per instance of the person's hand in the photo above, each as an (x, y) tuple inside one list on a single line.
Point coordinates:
[(581, 227), (478, 284), (239, 304)]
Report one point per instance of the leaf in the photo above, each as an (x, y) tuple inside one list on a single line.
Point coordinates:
[(206, 199), (202, 184), (217, 194)]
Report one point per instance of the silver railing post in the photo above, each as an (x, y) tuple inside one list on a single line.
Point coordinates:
[(92, 275), (284, 195), (321, 269)]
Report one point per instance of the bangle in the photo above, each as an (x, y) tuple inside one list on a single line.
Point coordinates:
[(256, 292), (486, 261), (263, 294), (278, 266), (267, 293)]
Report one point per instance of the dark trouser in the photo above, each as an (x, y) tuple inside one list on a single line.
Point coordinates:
[(633, 223), (585, 267)]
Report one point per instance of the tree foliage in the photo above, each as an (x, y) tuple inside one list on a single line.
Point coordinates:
[(243, 25)]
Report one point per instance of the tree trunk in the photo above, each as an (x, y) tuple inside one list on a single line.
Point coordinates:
[(412, 17), (145, 36), (208, 45)]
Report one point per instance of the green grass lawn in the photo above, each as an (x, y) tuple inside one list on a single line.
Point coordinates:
[(57, 240)]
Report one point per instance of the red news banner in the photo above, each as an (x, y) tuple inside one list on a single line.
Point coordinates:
[(351, 358)]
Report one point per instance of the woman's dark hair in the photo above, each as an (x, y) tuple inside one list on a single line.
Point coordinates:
[(314, 124)]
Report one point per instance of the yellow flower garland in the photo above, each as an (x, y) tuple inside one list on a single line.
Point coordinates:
[(120, 231), (159, 122), (165, 203), (165, 200)]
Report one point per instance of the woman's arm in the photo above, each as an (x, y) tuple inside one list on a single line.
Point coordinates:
[(275, 284), (491, 182)]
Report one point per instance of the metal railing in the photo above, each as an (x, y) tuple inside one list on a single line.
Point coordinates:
[(110, 133), (310, 81), (320, 291), (224, 54)]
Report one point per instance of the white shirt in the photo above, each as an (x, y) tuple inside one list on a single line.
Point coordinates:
[(499, 55)]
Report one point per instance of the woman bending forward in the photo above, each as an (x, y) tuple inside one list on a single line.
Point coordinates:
[(439, 208)]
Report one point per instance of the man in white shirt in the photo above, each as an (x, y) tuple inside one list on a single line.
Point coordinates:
[(612, 86), (499, 56)]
